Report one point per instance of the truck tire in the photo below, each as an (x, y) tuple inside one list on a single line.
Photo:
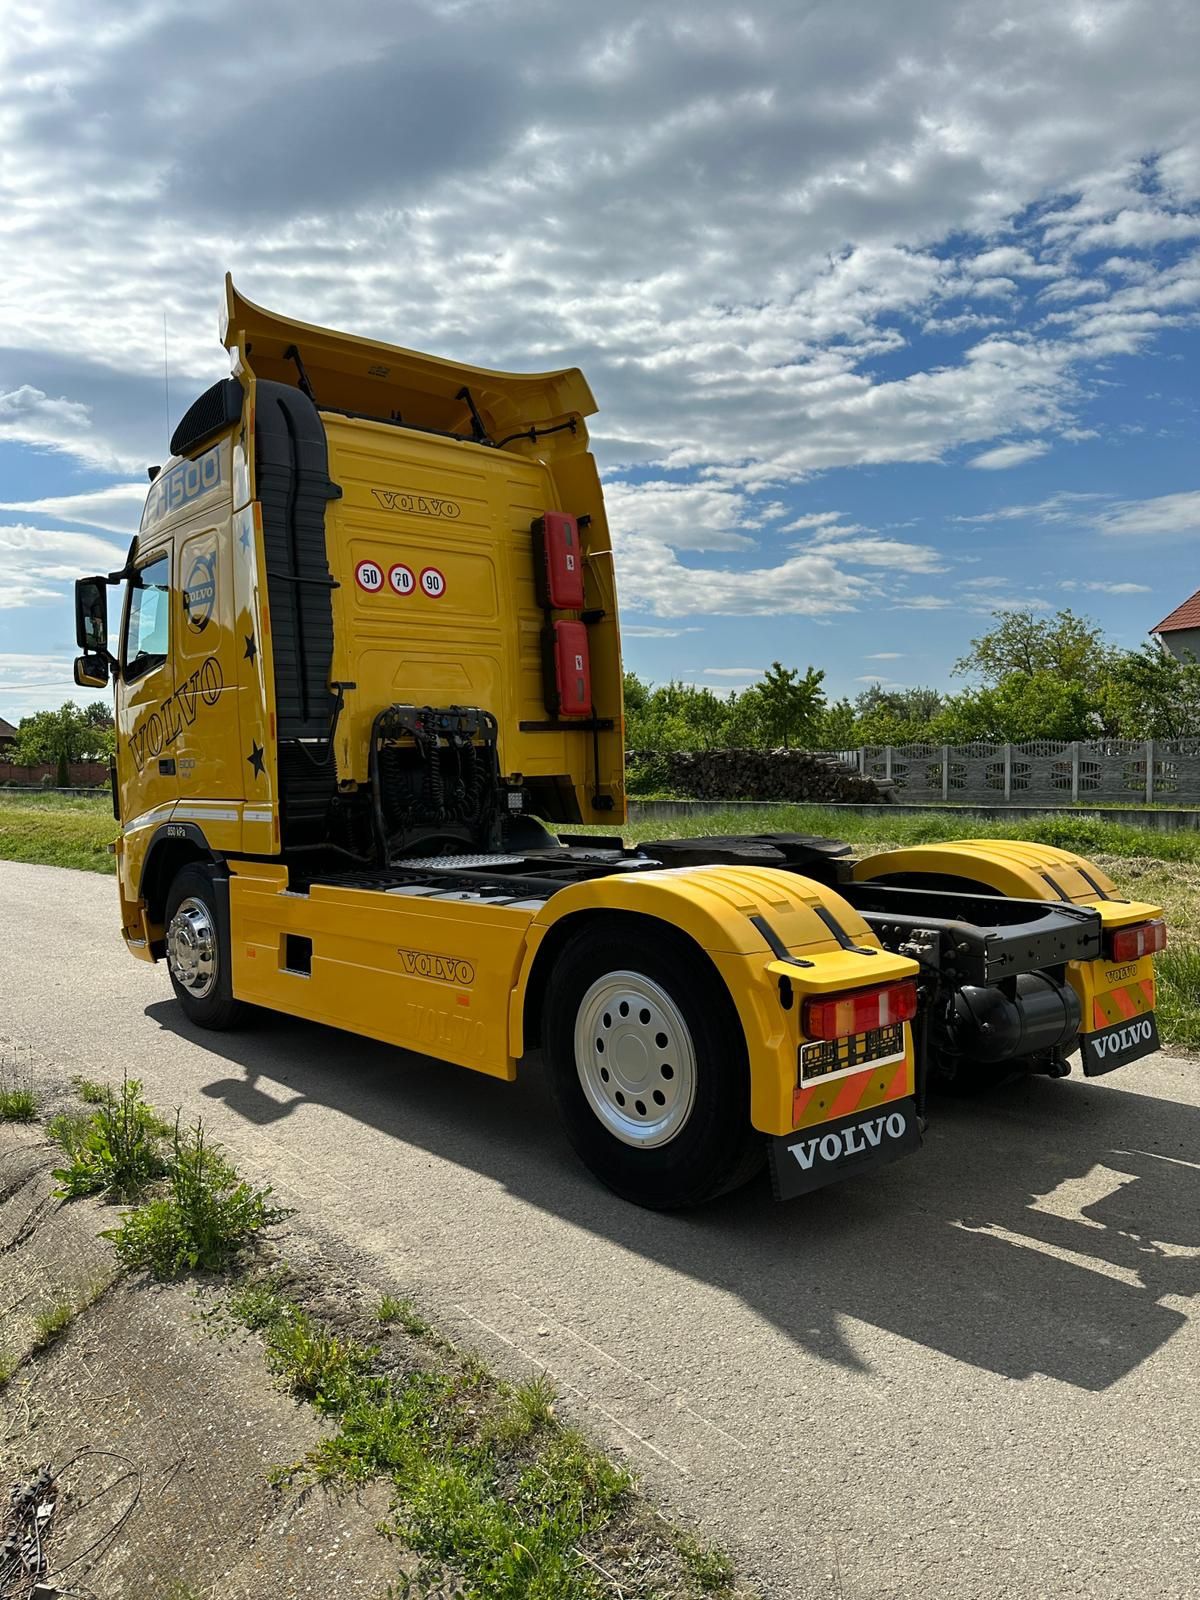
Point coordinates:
[(648, 1067), (198, 953)]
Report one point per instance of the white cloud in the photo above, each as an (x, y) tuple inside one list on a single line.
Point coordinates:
[(1009, 455), (885, 655), (1009, 261), (673, 212), (30, 416), (637, 630), (734, 672), (29, 682), (652, 578), (1106, 588), (686, 516), (875, 552), (1166, 514), (1065, 506), (118, 507), (31, 559)]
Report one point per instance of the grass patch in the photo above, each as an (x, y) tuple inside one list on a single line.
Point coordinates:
[(54, 1319), (881, 831), (52, 1323), (117, 1151), (496, 1497), (57, 830), (207, 1217), (17, 1103)]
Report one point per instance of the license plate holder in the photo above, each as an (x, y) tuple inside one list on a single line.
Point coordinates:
[(823, 1059), (1118, 1045)]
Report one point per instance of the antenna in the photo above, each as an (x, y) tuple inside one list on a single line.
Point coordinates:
[(166, 383)]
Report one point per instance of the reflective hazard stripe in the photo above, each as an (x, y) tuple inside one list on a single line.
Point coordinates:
[(1123, 1004), (872, 1087)]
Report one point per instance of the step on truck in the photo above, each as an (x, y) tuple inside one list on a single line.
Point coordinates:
[(368, 696)]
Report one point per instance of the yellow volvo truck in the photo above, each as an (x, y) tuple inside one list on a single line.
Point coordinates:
[(368, 681)]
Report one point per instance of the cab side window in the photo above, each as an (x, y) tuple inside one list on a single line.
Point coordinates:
[(147, 623)]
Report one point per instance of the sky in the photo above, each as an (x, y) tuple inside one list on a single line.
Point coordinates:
[(892, 311)]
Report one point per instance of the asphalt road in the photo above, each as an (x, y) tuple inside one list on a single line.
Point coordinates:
[(974, 1374)]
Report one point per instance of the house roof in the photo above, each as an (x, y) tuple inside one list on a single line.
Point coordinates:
[(1185, 616), (7, 731)]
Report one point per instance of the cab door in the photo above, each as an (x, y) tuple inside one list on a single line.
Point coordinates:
[(146, 724), (211, 766)]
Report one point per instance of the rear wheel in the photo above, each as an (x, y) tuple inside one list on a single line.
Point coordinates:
[(649, 1067), (198, 951)]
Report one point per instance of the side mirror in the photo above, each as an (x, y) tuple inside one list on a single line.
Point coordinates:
[(91, 617), (91, 672)]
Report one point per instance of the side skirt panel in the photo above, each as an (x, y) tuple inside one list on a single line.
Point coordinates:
[(433, 976)]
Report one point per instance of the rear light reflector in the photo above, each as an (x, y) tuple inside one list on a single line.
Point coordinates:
[(1143, 939), (837, 1015)]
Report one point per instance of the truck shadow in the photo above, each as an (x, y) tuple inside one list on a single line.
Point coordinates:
[(1038, 1231)]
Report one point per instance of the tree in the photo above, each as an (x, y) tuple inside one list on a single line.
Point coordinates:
[(72, 733), (790, 704), (1021, 708), (1072, 648), (1151, 695)]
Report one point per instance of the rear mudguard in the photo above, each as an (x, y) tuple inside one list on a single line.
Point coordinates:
[(1107, 993), (750, 921)]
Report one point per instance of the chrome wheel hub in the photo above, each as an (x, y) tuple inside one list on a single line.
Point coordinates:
[(635, 1059), (192, 948)]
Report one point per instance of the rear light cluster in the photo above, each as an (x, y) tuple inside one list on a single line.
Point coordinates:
[(835, 1016), (1143, 939)]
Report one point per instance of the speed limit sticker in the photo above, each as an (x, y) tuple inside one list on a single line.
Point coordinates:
[(401, 579), (433, 583), (369, 576)]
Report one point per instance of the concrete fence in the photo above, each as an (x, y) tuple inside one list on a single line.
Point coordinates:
[(1136, 771)]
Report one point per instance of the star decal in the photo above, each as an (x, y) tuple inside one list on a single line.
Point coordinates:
[(245, 536), (251, 648), (255, 758)]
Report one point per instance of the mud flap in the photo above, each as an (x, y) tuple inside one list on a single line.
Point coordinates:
[(1109, 1048), (831, 1151)]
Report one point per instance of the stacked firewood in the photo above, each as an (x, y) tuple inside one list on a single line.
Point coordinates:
[(797, 775)]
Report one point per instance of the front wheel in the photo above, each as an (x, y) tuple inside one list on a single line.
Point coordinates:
[(649, 1067), (198, 949)]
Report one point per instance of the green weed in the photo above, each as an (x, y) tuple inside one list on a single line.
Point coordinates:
[(204, 1220), (390, 1310), (92, 1093), (116, 1151), (710, 1570)]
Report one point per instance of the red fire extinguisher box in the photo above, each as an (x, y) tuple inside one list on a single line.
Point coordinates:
[(559, 563), (568, 670)]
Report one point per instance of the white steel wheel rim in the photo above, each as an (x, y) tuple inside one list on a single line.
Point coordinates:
[(635, 1059), (192, 948)]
